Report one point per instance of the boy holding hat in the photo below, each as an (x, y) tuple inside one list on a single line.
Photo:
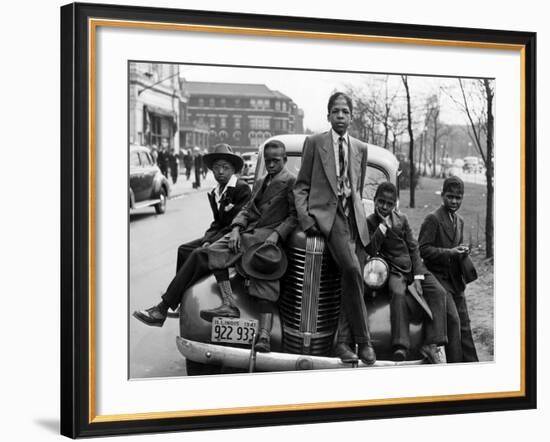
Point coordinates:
[(441, 247), (268, 217), (226, 199)]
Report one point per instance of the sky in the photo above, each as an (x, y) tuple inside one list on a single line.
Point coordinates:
[(310, 90)]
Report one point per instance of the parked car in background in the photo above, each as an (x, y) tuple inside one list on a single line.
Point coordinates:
[(305, 318), (472, 165), (148, 186), (249, 168)]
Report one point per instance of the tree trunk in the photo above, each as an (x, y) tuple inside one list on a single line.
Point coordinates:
[(411, 143), (489, 172)]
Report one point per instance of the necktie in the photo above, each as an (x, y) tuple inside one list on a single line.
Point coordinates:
[(341, 157), (343, 175)]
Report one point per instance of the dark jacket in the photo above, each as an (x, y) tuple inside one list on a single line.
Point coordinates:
[(437, 237), (268, 210), (233, 200), (398, 246)]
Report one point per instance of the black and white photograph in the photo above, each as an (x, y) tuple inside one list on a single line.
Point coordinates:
[(285, 219)]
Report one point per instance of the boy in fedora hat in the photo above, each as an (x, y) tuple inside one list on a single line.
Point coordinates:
[(226, 199), (441, 247), (268, 217)]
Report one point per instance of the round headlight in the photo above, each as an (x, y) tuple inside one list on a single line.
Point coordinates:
[(375, 273)]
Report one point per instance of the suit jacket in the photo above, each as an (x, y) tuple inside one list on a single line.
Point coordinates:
[(233, 200), (437, 237), (268, 210), (398, 246), (316, 191)]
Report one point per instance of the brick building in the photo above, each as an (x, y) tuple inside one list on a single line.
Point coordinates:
[(242, 115)]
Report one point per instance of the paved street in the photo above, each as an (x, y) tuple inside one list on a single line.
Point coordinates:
[(153, 244)]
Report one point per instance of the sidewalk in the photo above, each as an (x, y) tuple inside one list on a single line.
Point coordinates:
[(184, 187)]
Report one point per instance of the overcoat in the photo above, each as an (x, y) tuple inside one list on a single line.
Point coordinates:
[(437, 236), (316, 190), (270, 209)]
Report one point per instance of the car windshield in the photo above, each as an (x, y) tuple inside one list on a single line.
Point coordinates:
[(375, 175)]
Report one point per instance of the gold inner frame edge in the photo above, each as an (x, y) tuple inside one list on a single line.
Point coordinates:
[(93, 24)]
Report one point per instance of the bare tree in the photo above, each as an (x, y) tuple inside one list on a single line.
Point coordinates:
[(412, 180), (477, 104)]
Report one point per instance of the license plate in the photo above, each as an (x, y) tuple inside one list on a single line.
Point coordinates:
[(233, 330)]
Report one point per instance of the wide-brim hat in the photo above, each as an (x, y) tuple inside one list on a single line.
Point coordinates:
[(265, 261), (223, 152)]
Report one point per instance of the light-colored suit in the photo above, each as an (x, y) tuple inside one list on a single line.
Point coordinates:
[(317, 203), (316, 190)]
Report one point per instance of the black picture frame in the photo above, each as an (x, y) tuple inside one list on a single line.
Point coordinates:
[(77, 404)]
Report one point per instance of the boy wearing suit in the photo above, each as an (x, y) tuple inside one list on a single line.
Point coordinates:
[(440, 239), (391, 238), (268, 217), (226, 199), (328, 195)]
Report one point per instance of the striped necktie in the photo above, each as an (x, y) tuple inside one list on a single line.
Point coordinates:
[(343, 167)]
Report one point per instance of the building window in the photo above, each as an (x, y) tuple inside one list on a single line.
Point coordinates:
[(277, 105), (237, 135), (253, 103), (156, 131), (237, 102), (213, 135), (259, 123), (201, 102), (237, 122), (222, 102), (212, 121), (285, 124), (223, 135), (212, 102), (223, 121)]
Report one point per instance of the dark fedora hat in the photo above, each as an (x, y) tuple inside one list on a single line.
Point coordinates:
[(223, 152), (264, 261)]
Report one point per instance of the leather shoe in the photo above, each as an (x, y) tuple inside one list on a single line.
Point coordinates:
[(224, 310), (431, 353), (367, 354), (399, 355), (152, 316), (344, 352)]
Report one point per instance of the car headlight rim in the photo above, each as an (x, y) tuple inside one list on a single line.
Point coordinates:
[(376, 273)]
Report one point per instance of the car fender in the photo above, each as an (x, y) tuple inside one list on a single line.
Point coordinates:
[(131, 198), (159, 183), (205, 295)]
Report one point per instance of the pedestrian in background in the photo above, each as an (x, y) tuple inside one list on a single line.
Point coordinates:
[(198, 166)]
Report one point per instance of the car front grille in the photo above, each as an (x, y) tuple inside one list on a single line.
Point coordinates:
[(310, 299)]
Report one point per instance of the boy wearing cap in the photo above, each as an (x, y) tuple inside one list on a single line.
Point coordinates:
[(441, 247), (226, 199)]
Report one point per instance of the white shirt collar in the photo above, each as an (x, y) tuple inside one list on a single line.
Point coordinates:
[(335, 137), (231, 183)]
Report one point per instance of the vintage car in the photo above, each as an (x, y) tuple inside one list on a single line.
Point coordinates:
[(306, 315), (148, 186)]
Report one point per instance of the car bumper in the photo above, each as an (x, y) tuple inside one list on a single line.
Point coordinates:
[(273, 361)]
